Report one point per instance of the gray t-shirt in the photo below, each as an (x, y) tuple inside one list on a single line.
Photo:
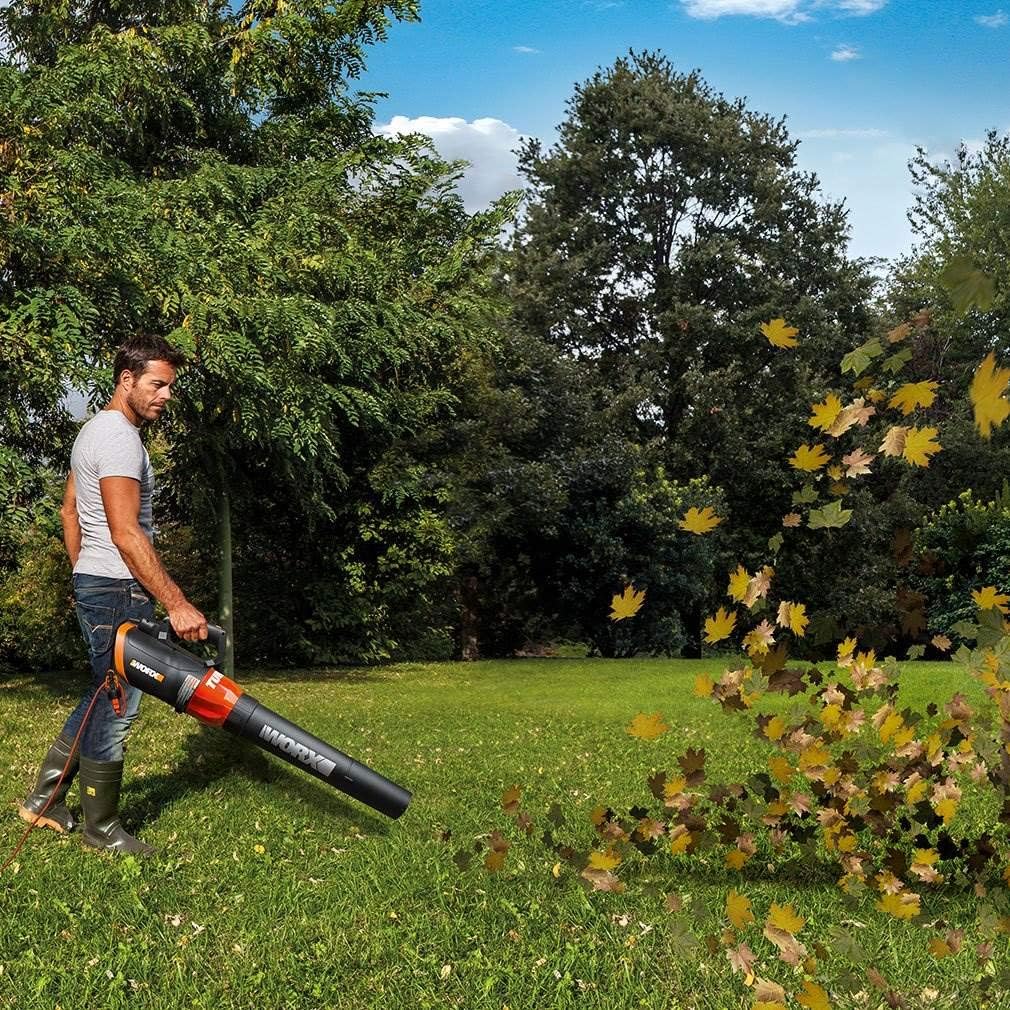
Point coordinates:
[(108, 446)]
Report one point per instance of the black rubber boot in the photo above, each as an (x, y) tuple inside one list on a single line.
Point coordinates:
[(57, 817), (101, 782)]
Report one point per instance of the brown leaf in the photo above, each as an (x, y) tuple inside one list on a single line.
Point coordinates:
[(603, 880), (742, 958)]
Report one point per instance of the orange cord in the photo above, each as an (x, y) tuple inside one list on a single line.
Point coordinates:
[(117, 696)]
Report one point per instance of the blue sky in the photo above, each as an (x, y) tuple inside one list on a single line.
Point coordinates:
[(861, 82)]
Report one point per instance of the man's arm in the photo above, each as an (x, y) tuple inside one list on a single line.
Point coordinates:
[(71, 524), (121, 498)]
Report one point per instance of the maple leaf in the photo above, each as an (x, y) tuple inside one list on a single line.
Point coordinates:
[(986, 394), (857, 463), (794, 617), (627, 604), (791, 520), (703, 686), (603, 880), (813, 997), (738, 909), (830, 516), (899, 333), (989, 599), (680, 840), (902, 905), (739, 581), (856, 413), (759, 640), (604, 860), (894, 441), (941, 642), (919, 446), (700, 521), (719, 626), (780, 333), (790, 949), (647, 727), (809, 458), (914, 394), (967, 285), (784, 917), (510, 799), (759, 586), (742, 958), (825, 414)]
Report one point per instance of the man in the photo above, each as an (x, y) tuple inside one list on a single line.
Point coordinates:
[(108, 531)]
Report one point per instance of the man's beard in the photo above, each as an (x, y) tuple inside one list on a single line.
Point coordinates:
[(140, 408)]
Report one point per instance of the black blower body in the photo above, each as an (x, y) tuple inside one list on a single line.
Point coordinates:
[(148, 658)]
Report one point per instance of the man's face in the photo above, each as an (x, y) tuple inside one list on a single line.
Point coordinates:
[(147, 394)]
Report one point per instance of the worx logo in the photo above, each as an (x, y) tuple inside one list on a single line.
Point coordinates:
[(297, 750), (137, 665)]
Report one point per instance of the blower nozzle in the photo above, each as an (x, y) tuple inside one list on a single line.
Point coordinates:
[(149, 658)]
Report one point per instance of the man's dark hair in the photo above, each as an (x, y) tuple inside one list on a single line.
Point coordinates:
[(138, 352)]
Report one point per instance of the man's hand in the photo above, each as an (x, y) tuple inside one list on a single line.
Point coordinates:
[(188, 623)]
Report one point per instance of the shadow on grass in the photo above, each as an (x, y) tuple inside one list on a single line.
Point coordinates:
[(210, 756)]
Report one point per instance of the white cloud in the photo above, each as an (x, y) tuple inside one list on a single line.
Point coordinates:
[(791, 11), (834, 134), (525, 49), (486, 143), (997, 20), (845, 53)]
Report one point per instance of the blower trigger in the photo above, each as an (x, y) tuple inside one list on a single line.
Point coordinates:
[(115, 691)]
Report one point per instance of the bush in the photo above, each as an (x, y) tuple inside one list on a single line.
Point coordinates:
[(963, 547)]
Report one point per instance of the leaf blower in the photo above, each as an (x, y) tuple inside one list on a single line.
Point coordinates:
[(147, 656)]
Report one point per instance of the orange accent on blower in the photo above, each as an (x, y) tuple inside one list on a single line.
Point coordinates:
[(121, 633), (214, 699)]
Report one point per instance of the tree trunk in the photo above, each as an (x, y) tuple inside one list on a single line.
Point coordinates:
[(224, 583), (469, 618)]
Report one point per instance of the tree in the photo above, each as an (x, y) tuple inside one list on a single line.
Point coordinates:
[(206, 173), (664, 226)]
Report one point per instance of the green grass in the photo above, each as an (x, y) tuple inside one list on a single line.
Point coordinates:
[(344, 908)]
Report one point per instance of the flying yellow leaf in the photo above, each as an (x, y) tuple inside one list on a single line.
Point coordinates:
[(700, 521), (919, 446), (845, 651), (939, 948), (719, 626), (988, 599), (780, 333), (793, 616), (703, 686), (627, 604), (914, 394), (759, 640), (739, 581), (738, 909), (791, 520), (647, 727), (825, 414), (809, 458), (986, 394), (784, 917), (916, 792)]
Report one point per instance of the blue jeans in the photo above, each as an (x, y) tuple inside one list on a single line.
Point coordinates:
[(102, 604)]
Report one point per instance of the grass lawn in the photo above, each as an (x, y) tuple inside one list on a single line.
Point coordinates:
[(272, 891)]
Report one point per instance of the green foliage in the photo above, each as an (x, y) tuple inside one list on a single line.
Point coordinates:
[(38, 627), (964, 546)]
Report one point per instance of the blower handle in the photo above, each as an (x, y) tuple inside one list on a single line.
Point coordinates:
[(163, 631)]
